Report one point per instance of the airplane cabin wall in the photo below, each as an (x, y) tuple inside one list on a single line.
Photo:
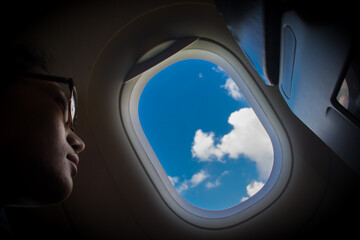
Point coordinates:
[(319, 191)]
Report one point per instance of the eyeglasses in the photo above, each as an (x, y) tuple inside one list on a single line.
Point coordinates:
[(72, 96)]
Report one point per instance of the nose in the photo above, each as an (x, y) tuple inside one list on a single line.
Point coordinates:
[(75, 142)]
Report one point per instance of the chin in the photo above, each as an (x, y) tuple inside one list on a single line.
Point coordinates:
[(59, 194), (50, 194)]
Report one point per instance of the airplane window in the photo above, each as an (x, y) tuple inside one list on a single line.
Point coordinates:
[(205, 134), (349, 94), (343, 95)]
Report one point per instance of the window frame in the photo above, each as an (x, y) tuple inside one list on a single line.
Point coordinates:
[(208, 50)]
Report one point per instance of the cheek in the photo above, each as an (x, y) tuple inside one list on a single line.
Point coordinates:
[(35, 147), (44, 164), (55, 167)]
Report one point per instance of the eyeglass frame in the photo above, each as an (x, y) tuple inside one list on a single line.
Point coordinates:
[(73, 93)]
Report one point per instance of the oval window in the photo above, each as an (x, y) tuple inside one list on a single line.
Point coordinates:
[(206, 136)]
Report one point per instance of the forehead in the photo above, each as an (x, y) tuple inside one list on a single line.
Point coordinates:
[(48, 86), (59, 92)]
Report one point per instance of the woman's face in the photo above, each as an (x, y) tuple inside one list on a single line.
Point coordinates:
[(40, 151)]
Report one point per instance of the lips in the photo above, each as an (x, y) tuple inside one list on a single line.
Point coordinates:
[(74, 158)]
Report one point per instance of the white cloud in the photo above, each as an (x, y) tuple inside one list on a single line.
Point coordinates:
[(218, 69), (195, 180), (183, 186), (199, 177), (230, 85), (232, 89), (203, 147), (217, 182), (174, 180), (224, 173), (252, 189), (214, 184), (247, 138), (244, 199)]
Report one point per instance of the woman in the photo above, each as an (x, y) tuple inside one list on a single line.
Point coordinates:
[(39, 145)]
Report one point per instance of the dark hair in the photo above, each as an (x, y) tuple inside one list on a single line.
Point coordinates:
[(22, 57), (25, 56)]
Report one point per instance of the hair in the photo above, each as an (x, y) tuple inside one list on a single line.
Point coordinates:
[(21, 57), (26, 58)]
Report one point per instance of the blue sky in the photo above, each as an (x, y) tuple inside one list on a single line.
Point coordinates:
[(207, 138)]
